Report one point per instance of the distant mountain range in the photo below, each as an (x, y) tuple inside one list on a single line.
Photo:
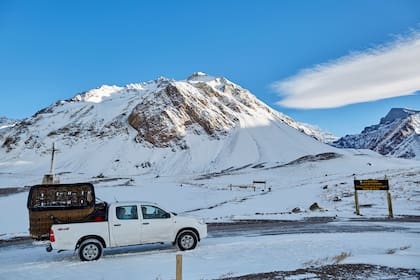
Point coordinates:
[(201, 124), (397, 135)]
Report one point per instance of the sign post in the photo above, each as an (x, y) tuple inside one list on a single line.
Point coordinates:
[(388, 195), (372, 185), (178, 267), (356, 201)]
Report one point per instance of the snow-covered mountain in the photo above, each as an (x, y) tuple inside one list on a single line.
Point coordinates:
[(5, 122), (163, 126), (397, 134), (317, 133)]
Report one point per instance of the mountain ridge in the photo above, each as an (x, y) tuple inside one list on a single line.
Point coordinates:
[(162, 126), (397, 134)]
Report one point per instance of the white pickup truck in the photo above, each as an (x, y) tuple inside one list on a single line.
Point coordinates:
[(127, 223)]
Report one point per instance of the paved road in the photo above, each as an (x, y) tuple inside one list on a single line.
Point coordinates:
[(314, 225), (274, 227)]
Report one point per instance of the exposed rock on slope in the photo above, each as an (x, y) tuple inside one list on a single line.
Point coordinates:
[(163, 126), (168, 114), (397, 134)]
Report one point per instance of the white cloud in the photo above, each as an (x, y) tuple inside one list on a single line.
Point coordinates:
[(383, 72)]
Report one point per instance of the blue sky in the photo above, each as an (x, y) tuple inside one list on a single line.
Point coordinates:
[(51, 50)]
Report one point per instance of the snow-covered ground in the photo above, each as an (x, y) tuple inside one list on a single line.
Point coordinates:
[(220, 257), (221, 197)]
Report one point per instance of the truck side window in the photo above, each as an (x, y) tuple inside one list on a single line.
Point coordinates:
[(152, 212), (127, 212)]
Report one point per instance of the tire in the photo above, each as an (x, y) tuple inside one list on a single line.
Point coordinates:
[(187, 240), (90, 250)]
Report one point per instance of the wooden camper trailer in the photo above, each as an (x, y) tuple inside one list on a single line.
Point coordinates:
[(52, 203)]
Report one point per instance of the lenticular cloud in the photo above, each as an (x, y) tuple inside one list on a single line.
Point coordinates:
[(379, 73)]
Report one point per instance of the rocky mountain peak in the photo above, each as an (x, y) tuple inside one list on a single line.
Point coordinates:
[(165, 126), (397, 113), (209, 106), (397, 134), (198, 76)]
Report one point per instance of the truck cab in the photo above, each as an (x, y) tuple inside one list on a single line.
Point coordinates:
[(137, 223), (128, 223)]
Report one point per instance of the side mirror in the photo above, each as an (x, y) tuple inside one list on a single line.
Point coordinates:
[(167, 215)]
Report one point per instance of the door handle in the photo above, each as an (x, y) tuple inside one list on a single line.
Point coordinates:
[(117, 225), (146, 223)]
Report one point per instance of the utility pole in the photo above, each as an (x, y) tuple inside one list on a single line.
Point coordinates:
[(53, 150), (50, 178)]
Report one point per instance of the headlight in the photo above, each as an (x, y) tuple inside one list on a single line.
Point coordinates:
[(202, 222)]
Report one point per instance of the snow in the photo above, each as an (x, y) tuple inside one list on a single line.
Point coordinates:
[(15, 204), (204, 180), (218, 257), (5, 123), (99, 94), (297, 185), (291, 186), (397, 113), (318, 133), (397, 134), (93, 134), (200, 77)]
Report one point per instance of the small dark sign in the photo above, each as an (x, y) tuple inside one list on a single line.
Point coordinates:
[(259, 182), (371, 185)]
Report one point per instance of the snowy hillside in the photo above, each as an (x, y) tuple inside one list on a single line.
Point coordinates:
[(318, 133), (228, 196), (208, 148), (161, 127), (5, 122), (397, 134)]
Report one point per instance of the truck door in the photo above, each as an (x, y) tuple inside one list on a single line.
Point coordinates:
[(124, 225), (156, 226)]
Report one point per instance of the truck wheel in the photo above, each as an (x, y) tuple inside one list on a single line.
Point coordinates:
[(187, 240), (90, 250)]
